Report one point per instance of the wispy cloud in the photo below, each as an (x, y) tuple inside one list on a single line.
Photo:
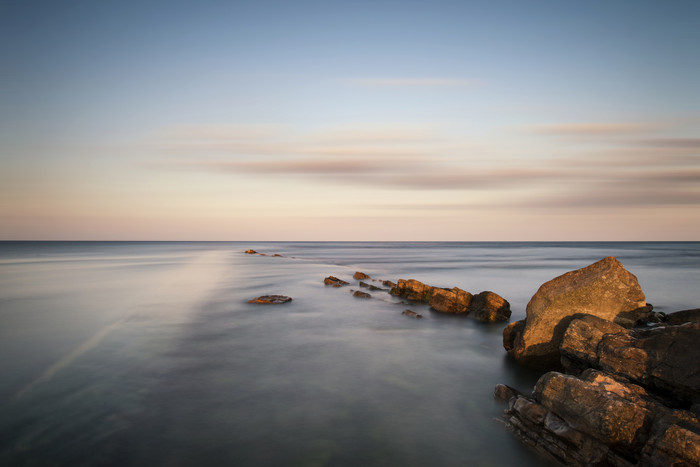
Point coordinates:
[(594, 129)]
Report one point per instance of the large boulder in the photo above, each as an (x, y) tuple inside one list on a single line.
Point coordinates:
[(604, 289)]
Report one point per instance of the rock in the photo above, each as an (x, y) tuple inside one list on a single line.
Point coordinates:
[(489, 307), (604, 289), (359, 294), (376, 289), (388, 284), (364, 284), (411, 314), (271, 299), (664, 359), (334, 281), (277, 255), (413, 290), (511, 333), (251, 252), (579, 347), (360, 276), (684, 316), (504, 393), (453, 300), (593, 409), (598, 419)]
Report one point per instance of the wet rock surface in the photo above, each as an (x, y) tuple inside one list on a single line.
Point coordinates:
[(411, 314), (270, 299), (360, 294)]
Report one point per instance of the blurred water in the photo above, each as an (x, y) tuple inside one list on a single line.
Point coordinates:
[(149, 354)]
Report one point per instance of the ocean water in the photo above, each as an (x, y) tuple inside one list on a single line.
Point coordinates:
[(131, 353)]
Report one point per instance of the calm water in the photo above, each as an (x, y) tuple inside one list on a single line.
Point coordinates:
[(148, 354)]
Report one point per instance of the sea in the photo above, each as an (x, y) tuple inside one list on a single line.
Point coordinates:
[(149, 354)]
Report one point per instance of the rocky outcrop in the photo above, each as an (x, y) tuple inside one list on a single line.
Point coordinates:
[(597, 419), (485, 306), (360, 276), (604, 289), (271, 299), (334, 281), (663, 359)]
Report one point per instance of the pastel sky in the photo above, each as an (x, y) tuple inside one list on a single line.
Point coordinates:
[(350, 120)]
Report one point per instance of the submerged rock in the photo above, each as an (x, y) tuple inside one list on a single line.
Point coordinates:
[(604, 289), (412, 314), (271, 299), (360, 294), (334, 281)]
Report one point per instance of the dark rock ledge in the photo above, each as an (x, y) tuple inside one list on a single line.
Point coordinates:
[(630, 396)]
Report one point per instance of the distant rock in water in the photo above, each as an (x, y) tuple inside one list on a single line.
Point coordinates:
[(360, 276), (271, 299), (251, 252), (359, 294), (604, 289), (485, 306), (411, 314), (388, 284), (334, 281)]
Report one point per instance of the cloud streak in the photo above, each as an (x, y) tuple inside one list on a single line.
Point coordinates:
[(411, 82)]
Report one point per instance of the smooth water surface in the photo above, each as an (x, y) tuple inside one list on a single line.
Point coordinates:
[(121, 353)]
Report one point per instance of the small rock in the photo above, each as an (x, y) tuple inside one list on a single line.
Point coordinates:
[(334, 281), (360, 276), (364, 284), (389, 284), (251, 252), (505, 393), (359, 294), (411, 314), (271, 299), (277, 255), (489, 307)]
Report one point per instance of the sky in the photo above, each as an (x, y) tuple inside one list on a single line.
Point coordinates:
[(335, 120)]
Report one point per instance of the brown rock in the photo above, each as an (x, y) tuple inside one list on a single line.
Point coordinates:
[(251, 252), (504, 393), (334, 281), (453, 300), (360, 276), (604, 289), (359, 294), (579, 347), (511, 333), (590, 408), (413, 290), (388, 284), (270, 299), (489, 307)]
